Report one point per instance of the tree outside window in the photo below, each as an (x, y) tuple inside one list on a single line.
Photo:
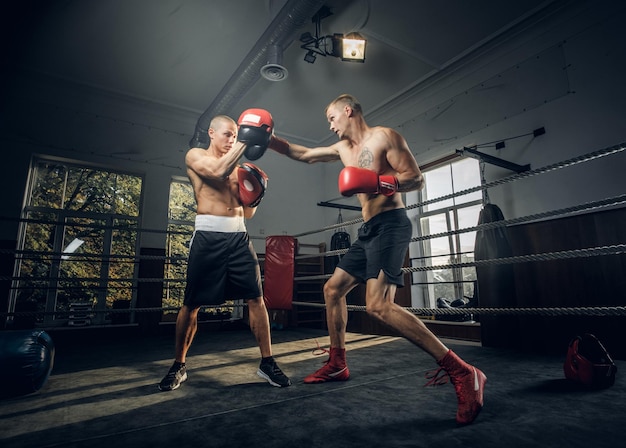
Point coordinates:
[(78, 241)]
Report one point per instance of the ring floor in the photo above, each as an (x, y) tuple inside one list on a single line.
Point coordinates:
[(103, 393)]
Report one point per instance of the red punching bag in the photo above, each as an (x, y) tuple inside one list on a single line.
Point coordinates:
[(279, 268)]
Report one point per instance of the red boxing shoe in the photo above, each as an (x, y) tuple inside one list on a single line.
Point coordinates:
[(469, 384), (328, 373), (335, 368)]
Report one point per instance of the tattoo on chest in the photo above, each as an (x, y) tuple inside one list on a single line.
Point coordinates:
[(365, 158)]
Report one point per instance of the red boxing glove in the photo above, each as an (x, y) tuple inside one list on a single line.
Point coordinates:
[(252, 184), (360, 180), (256, 127)]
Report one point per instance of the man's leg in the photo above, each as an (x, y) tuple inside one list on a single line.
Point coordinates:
[(335, 291), (379, 303), (260, 326), (186, 327), (468, 381)]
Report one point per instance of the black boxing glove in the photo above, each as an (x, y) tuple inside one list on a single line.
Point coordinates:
[(256, 127)]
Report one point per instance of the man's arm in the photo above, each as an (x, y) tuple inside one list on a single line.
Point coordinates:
[(213, 168), (304, 154), (248, 212), (401, 160)]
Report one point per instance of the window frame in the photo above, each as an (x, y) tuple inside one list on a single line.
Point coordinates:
[(424, 284), (60, 225)]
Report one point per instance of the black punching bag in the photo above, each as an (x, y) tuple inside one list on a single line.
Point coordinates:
[(26, 360), (496, 283)]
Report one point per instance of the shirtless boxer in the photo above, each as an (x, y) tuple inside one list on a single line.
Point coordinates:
[(378, 166), (222, 263)]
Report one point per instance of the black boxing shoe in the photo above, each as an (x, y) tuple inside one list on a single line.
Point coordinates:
[(176, 375), (272, 373)]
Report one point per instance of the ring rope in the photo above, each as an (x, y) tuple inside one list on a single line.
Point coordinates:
[(617, 249), (548, 311), (526, 311), (95, 280), (94, 226), (56, 256), (60, 313), (566, 163), (609, 202)]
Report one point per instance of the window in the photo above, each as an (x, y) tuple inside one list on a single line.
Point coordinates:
[(444, 216), (78, 241), (181, 217)]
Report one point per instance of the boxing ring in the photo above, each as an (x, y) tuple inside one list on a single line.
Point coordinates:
[(102, 390), (282, 285)]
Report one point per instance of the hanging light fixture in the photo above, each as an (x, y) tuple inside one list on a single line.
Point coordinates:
[(353, 47), (350, 47)]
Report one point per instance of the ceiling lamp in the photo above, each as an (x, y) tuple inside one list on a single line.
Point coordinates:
[(353, 47), (350, 47)]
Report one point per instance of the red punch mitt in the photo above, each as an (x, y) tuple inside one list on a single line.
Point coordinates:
[(252, 184)]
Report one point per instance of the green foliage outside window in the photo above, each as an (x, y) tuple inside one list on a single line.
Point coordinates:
[(182, 214), (79, 237)]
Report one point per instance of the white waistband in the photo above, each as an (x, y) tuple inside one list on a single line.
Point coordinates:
[(211, 223)]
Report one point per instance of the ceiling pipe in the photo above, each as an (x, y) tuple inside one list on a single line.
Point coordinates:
[(281, 32)]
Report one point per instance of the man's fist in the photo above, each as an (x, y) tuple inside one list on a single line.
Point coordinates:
[(252, 184), (360, 180), (255, 129)]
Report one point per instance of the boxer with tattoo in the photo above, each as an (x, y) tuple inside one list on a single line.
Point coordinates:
[(378, 167)]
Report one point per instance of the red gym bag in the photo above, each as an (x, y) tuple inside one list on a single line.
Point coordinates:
[(588, 363)]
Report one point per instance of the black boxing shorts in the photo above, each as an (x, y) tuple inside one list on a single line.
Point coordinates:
[(382, 244), (222, 263)]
